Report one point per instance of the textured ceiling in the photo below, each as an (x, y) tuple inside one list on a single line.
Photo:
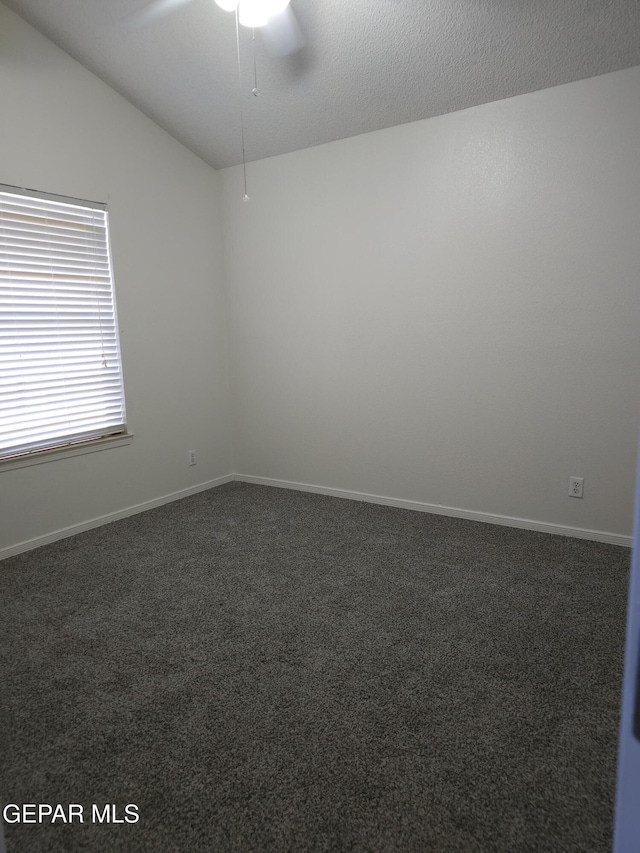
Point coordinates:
[(367, 64)]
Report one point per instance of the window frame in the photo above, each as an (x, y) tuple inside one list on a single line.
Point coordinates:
[(65, 448)]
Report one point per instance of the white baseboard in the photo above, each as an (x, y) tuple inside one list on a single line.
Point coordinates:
[(419, 506), (437, 509), (64, 532)]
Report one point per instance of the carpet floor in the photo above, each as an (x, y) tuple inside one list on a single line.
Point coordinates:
[(258, 669)]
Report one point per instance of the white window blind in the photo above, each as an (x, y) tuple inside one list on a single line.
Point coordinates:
[(60, 370)]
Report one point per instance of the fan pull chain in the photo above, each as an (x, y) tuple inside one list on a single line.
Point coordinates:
[(244, 159), (255, 91)]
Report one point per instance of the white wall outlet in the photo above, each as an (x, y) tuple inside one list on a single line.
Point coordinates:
[(192, 457), (576, 487)]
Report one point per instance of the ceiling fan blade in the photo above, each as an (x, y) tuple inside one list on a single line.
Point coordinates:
[(282, 34), (155, 10)]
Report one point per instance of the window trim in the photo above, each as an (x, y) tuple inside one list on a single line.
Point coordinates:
[(77, 447), (63, 199)]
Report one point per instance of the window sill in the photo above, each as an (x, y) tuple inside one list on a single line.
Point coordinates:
[(56, 453)]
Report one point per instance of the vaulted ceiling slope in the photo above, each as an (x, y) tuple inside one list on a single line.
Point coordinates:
[(367, 64)]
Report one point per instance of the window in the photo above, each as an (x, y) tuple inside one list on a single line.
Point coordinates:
[(60, 370)]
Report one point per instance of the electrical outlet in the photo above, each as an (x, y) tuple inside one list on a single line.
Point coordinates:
[(576, 487), (192, 457)]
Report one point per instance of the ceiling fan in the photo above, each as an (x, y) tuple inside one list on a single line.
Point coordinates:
[(274, 18)]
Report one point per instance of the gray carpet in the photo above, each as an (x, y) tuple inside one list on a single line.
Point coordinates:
[(266, 670)]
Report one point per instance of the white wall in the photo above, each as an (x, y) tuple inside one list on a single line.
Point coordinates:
[(64, 131), (448, 311)]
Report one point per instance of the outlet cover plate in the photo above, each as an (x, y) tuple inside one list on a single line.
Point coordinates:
[(576, 487)]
